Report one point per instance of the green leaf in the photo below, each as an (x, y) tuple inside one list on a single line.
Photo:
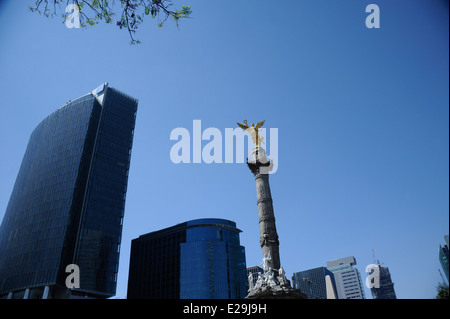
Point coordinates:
[(154, 11)]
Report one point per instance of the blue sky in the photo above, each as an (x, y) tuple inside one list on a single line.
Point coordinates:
[(362, 117)]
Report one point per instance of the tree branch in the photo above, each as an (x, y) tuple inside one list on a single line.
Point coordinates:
[(133, 11)]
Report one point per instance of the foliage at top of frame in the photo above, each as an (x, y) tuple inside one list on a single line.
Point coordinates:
[(91, 12)]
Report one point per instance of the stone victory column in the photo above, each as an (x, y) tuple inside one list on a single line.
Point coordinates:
[(272, 284)]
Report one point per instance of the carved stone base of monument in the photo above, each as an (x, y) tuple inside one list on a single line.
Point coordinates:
[(291, 294), (270, 286)]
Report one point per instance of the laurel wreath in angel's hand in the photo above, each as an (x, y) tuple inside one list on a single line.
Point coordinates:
[(253, 130)]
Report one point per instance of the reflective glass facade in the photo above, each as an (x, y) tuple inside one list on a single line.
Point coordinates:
[(386, 286), (68, 200), (312, 282), (443, 258), (198, 259)]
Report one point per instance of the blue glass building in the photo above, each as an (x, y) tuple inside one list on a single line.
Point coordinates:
[(67, 204), (198, 259), (312, 282), (443, 256)]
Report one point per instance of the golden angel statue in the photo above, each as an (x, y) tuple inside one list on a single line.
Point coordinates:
[(253, 130)]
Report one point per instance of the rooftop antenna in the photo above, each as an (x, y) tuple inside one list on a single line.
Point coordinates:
[(376, 262)]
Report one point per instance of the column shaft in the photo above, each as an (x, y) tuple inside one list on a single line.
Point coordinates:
[(268, 231)]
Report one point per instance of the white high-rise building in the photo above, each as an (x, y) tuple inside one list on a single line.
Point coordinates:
[(347, 278)]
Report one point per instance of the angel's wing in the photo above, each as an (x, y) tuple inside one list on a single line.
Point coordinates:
[(259, 124), (243, 126)]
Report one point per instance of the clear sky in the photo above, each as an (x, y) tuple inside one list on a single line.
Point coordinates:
[(362, 117)]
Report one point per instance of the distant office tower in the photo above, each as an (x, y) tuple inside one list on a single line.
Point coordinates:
[(443, 256), (347, 278), (198, 259), (312, 282), (254, 272), (385, 288), (67, 204)]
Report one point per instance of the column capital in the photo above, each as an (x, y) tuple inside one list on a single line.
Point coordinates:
[(258, 168), (259, 163)]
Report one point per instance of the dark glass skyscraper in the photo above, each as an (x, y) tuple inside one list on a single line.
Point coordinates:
[(443, 257), (198, 259), (312, 282), (67, 204), (386, 286)]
